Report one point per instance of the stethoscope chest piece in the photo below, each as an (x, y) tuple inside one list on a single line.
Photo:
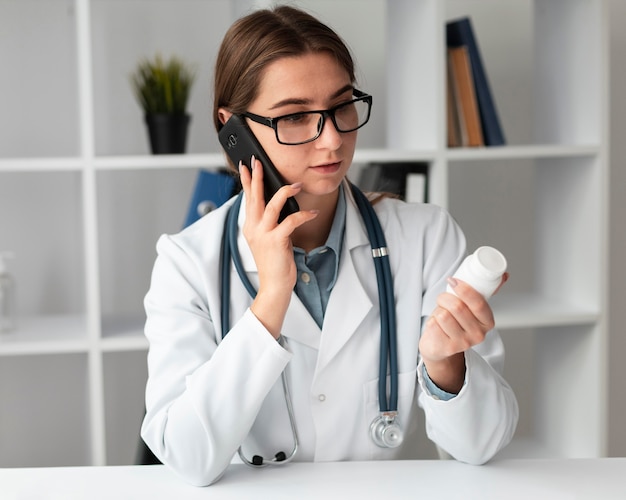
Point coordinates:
[(385, 431)]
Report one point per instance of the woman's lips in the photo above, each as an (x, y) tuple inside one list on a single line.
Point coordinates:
[(328, 168)]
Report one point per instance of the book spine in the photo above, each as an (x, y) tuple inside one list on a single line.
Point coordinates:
[(466, 96), (455, 131)]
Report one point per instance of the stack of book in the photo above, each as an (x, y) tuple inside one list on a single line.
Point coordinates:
[(472, 115)]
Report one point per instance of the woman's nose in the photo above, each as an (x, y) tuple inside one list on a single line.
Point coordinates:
[(330, 138)]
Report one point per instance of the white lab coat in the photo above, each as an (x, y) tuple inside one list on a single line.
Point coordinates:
[(206, 396)]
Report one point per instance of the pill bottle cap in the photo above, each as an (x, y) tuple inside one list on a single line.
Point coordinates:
[(490, 261)]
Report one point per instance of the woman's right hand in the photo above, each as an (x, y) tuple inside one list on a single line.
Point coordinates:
[(271, 246)]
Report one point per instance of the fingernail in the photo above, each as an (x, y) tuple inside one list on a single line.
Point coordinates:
[(296, 185), (315, 211), (252, 158), (453, 282), (240, 166)]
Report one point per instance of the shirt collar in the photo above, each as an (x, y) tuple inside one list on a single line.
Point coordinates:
[(334, 241)]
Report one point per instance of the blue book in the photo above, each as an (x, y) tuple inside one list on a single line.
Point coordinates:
[(212, 189), (459, 32)]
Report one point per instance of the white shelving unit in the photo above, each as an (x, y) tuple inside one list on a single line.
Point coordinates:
[(82, 203)]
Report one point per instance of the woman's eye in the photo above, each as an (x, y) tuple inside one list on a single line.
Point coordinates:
[(344, 109), (294, 119)]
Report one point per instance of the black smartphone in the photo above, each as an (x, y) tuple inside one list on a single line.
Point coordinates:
[(240, 144)]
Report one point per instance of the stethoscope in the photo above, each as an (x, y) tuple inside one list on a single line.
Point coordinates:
[(384, 430)]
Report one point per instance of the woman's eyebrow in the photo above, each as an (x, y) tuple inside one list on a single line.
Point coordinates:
[(304, 101)]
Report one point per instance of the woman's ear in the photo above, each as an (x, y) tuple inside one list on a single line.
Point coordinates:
[(224, 115)]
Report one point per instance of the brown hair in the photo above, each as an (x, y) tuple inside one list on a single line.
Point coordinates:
[(260, 38)]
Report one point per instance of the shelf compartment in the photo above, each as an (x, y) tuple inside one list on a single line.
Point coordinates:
[(542, 97), (125, 376), (123, 334), (543, 365), (542, 214), (568, 101), (119, 125), (569, 362), (413, 105), (46, 335), (41, 216), (44, 411), (39, 45), (134, 208), (527, 310)]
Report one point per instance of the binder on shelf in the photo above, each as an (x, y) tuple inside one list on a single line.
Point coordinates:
[(407, 180), (464, 95), (459, 32), (211, 190)]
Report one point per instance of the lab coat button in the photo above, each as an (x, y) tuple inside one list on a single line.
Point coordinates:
[(322, 398), (305, 277)]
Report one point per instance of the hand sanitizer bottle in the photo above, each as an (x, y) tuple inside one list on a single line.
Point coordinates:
[(7, 295), (482, 270)]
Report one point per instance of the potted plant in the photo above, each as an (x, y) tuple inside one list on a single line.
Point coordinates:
[(162, 89)]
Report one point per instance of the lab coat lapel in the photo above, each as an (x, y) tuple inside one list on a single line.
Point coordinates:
[(299, 325), (349, 302)]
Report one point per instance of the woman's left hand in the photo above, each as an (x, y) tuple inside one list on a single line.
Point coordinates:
[(458, 323)]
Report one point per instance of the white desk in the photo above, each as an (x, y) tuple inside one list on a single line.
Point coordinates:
[(601, 479)]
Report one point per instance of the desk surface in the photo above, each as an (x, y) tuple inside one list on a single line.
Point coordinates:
[(511, 479)]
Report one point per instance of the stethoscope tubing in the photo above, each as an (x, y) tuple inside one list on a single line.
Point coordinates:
[(388, 363), (230, 252), (388, 347)]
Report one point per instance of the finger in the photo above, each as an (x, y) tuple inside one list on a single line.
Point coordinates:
[(257, 198), (295, 220), (245, 176), (434, 342), (278, 200), (474, 301), (466, 324), (460, 324), (443, 336), (450, 320)]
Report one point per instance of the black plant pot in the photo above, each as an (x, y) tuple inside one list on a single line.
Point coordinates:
[(168, 133)]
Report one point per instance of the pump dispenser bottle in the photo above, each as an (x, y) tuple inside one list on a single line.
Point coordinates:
[(7, 295), (482, 270)]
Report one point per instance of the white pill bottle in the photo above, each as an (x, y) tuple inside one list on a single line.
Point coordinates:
[(482, 270)]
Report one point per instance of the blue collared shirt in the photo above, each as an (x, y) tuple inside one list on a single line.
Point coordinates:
[(317, 270)]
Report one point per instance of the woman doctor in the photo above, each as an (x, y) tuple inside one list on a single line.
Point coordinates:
[(317, 292)]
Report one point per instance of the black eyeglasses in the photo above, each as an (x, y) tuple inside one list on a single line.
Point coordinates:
[(306, 126)]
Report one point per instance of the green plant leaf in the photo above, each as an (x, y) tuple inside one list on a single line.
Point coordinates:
[(163, 86)]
